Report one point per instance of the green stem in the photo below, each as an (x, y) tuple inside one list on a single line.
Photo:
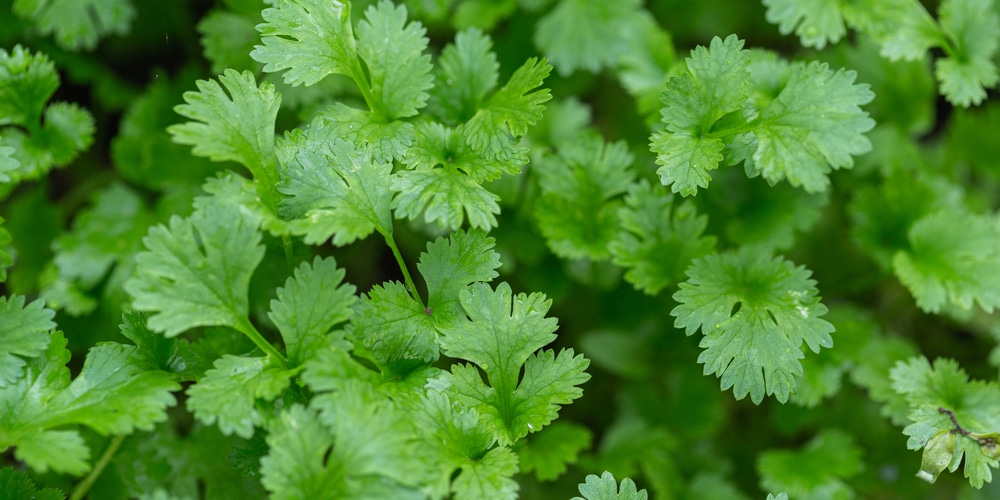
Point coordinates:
[(358, 75), (402, 267), (83, 487), (247, 328), (286, 244)]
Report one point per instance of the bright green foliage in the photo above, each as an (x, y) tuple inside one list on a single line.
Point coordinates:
[(586, 34), (818, 470), (816, 22), (549, 451), (468, 71), (196, 271), (115, 393), (105, 236), (755, 312), (765, 216), (811, 123), (357, 446), (226, 395), (40, 136), (451, 264), (5, 258), (24, 332), (17, 484), (227, 38), (333, 187), (309, 305), (78, 24), (310, 38), (953, 258), (973, 29), (500, 338), (606, 488), (248, 141), (507, 114), (942, 399), (578, 209), (177, 356), (657, 241)]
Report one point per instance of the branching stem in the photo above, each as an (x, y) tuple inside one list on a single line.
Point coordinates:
[(84, 486), (247, 328), (389, 240)]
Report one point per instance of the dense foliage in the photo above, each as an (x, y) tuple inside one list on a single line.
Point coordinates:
[(499, 249)]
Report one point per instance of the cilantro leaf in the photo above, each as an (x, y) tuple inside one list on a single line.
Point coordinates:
[(507, 114), (23, 332), (393, 328), (716, 84), (227, 394), (451, 264), (309, 305), (17, 484), (812, 122), (818, 469), (27, 82), (468, 71), (334, 187), (943, 400), (953, 258), (196, 272), (248, 141), (488, 477), (178, 356), (358, 446), (816, 22), (227, 37), (78, 24), (309, 38), (114, 393), (974, 29), (500, 337), (607, 488), (578, 210), (551, 449), (5, 258), (657, 240), (754, 312), (586, 34)]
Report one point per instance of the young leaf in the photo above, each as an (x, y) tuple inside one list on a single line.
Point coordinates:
[(815, 23), (334, 187), (23, 332), (952, 259), (607, 488), (578, 210), (716, 84), (488, 477), (974, 29), (309, 305), (309, 38), (451, 264), (943, 399), (468, 71), (551, 450), (657, 240), (586, 34), (78, 24), (500, 337), (226, 396), (248, 141), (819, 468), (17, 484), (196, 271), (395, 331), (754, 312), (507, 114), (27, 81)]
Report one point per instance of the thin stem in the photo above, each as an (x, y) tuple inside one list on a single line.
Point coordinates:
[(84, 486), (358, 75), (286, 244), (958, 428), (247, 328), (402, 267)]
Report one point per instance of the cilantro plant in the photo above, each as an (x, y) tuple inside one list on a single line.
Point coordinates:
[(499, 249)]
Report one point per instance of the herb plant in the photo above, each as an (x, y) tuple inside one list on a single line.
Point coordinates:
[(499, 249)]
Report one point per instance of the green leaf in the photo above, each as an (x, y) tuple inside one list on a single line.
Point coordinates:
[(5, 258), (953, 258), (78, 24), (755, 312), (445, 196), (607, 488), (227, 37), (586, 34), (818, 470), (468, 71), (451, 264), (214, 133), (815, 22), (657, 240), (334, 188), (189, 361), (27, 82), (942, 398), (551, 450), (24, 331), (116, 392), (394, 329), (507, 114), (309, 38), (974, 29), (500, 338), (196, 272), (17, 484), (226, 396), (578, 210), (488, 477), (309, 305), (716, 84)]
